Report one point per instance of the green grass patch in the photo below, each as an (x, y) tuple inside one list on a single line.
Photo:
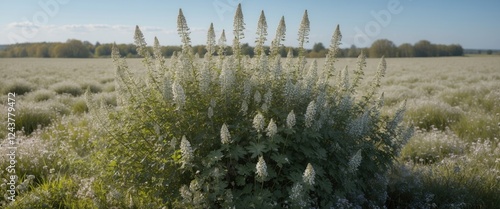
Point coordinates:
[(429, 115)]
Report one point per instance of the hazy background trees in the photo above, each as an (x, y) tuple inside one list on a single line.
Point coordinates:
[(77, 49)]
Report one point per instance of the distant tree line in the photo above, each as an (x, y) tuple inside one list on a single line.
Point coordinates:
[(78, 49)]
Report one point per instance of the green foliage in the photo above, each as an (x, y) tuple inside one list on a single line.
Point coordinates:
[(429, 115), (233, 131), (29, 118)]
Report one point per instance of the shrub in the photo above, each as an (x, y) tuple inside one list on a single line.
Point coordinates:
[(430, 114), (94, 87), (42, 95), (233, 131), (19, 87), (31, 118), (67, 87)]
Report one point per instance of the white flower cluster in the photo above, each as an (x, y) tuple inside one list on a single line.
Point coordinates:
[(261, 168), (355, 161), (186, 152), (309, 175), (272, 129), (225, 136)]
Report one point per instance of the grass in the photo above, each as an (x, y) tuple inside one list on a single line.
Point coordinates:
[(452, 161), (19, 87)]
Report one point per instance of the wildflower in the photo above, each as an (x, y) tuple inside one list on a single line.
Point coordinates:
[(186, 151), (261, 33), (244, 107), (304, 32), (280, 36), (310, 113), (261, 168), (272, 129), (183, 31), (257, 97), (309, 175), (355, 161), (258, 122), (210, 112), (290, 120), (179, 96), (227, 77), (239, 27), (225, 136), (210, 40), (268, 96), (204, 78)]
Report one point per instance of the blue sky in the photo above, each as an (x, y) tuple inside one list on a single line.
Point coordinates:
[(473, 24)]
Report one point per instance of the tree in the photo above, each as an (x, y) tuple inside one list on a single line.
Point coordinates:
[(406, 50), (383, 47), (318, 47), (424, 48), (489, 52), (353, 51)]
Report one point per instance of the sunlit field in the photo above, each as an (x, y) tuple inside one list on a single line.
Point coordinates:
[(453, 103)]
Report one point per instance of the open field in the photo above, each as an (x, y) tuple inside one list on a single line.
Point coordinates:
[(452, 161)]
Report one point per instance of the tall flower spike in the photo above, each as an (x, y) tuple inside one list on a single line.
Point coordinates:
[(178, 94), (210, 41), (186, 151), (304, 33), (239, 27), (261, 168), (309, 175), (140, 43), (355, 161), (222, 44), (280, 36), (272, 129), (261, 33), (225, 136), (227, 76), (310, 114), (183, 31), (290, 120), (331, 56), (258, 122), (359, 72)]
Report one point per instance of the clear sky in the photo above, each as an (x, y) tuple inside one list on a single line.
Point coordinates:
[(473, 24)]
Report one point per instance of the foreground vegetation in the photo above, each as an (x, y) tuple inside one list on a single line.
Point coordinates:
[(66, 159)]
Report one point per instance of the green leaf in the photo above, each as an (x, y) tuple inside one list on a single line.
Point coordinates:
[(236, 152), (280, 159), (256, 149)]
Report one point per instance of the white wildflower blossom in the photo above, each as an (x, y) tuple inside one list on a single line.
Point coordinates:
[(310, 114), (355, 161), (258, 122), (309, 175), (186, 151), (261, 168), (225, 136), (204, 78), (210, 112), (227, 77), (244, 107), (296, 195), (257, 98), (290, 120), (247, 90), (268, 96), (272, 129), (178, 95), (185, 193)]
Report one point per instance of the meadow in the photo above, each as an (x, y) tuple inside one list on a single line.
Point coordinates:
[(452, 160)]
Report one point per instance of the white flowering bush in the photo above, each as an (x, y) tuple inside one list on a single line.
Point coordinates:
[(234, 131)]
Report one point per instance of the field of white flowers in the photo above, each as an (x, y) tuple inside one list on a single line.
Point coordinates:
[(262, 132)]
